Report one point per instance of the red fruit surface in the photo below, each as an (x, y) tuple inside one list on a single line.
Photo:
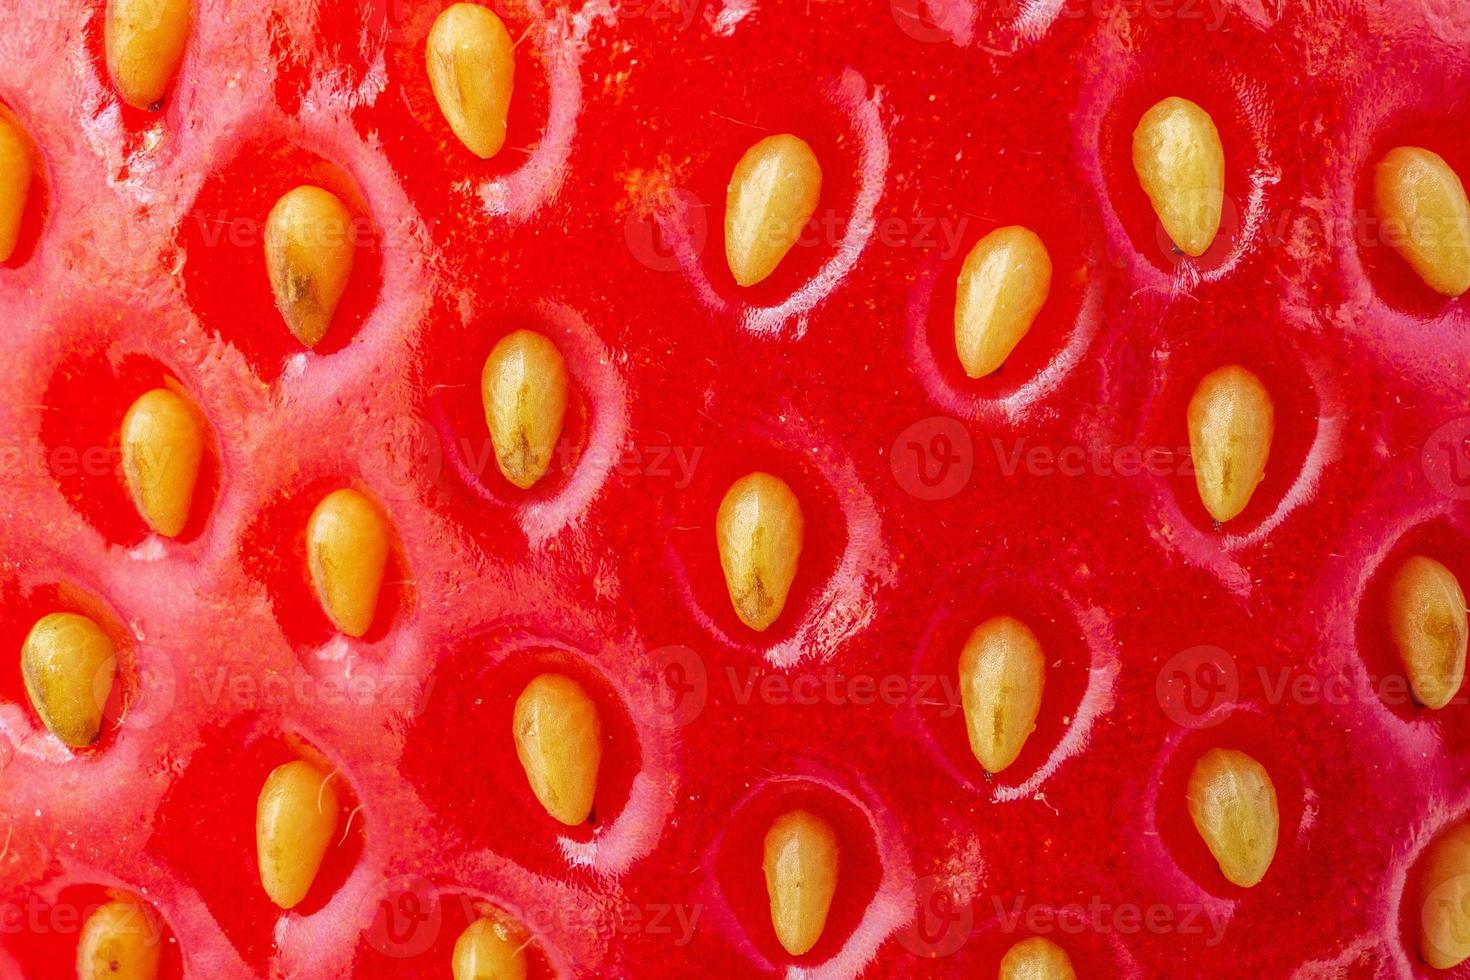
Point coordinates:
[(932, 501)]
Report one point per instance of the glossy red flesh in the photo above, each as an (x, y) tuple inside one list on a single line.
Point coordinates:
[(123, 279)]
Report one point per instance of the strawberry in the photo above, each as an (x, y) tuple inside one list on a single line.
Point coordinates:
[(911, 488)]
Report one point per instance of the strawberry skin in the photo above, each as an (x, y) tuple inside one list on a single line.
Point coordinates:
[(1056, 490)]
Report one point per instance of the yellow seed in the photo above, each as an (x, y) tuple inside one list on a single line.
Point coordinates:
[(1002, 674), (1233, 805), (1002, 286), (16, 168), (490, 949), (772, 194), (1231, 424), (1036, 958), (69, 666), (759, 530), (347, 553), (1181, 166), (524, 390), (559, 741), (119, 941), (162, 444), (801, 877), (1444, 900), (471, 62), (1425, 216), (1426, 615), (145, 43), (308, 255), (295, 821)]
